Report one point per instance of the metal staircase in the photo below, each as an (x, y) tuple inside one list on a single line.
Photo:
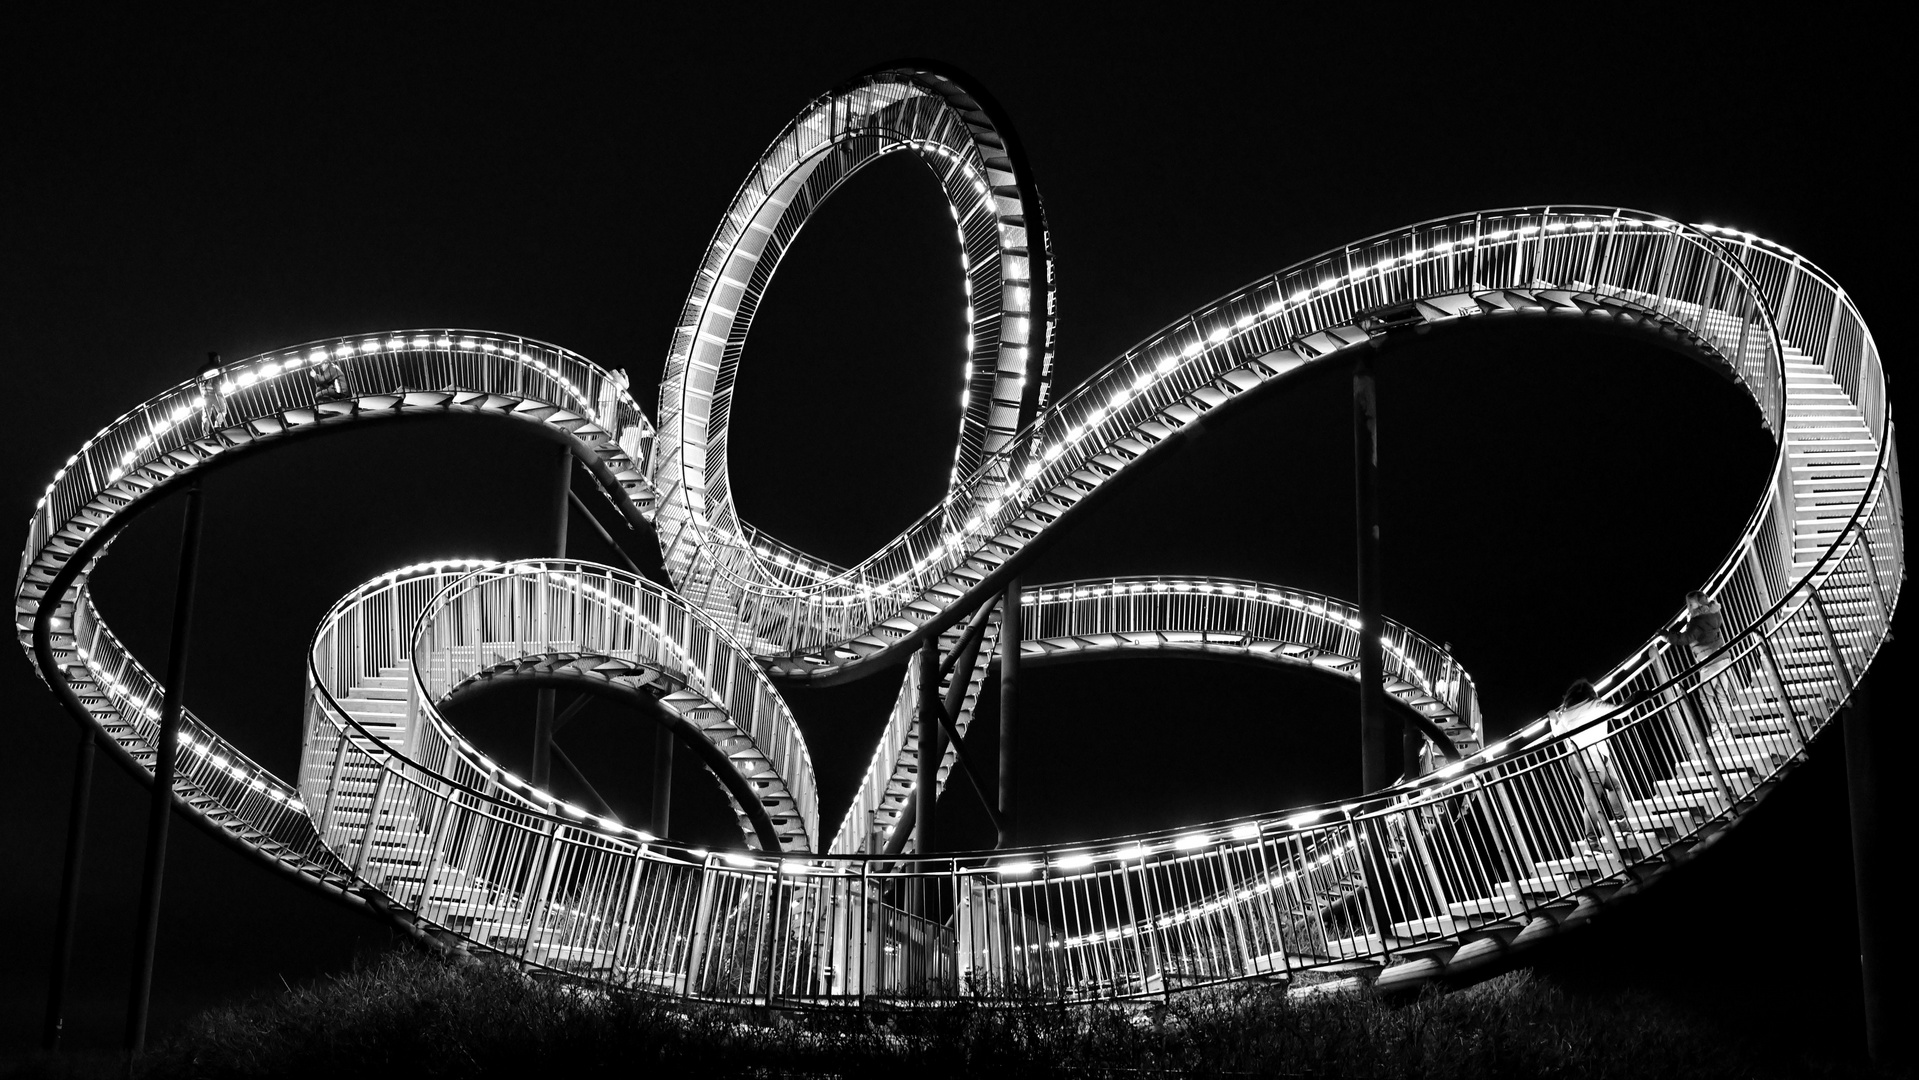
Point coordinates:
[(1441, 875)]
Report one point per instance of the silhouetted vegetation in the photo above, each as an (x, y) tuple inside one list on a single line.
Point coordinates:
[(406, 1015)]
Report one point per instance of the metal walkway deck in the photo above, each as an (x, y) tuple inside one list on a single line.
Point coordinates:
[(1521, 839)]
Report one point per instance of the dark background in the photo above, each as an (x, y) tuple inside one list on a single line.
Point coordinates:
[(174, 187)]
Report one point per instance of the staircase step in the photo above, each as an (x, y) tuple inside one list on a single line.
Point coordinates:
[(1588, 864), (1738, 781), (1744, 759), (1500, 904)]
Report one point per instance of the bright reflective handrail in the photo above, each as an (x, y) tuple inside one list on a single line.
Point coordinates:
[(1448, 256), (1433, 876)]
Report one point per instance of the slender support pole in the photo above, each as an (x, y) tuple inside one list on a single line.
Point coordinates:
[(1378, 744), (542, 770), (70, 889), (1011, 632), (962, 662), (961, 667), (662, 781), (1873, 884), (572, 710), (580, 775), (932, 748), (604, 535), (160, 807)]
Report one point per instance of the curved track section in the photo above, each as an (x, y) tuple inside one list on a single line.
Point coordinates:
[(1219, 618), (1437, 876), (1004, 255), (235, 412), (562, 622)]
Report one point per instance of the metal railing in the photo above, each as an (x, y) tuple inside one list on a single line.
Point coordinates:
[(1639, 264), (1527, 834), (833, 137), (1229, 614), (1539, 820), (274, 390)]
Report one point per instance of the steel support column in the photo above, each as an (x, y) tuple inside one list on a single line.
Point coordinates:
[(542, 770), (70, 888), (932, 747), (1378, 741), (1011, 631), (662, 780), (1873, 883), (166, 753)]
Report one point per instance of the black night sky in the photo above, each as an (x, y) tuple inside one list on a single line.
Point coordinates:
[(229, 185)]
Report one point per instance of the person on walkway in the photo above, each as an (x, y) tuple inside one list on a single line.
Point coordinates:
[(1591, 754), (329, 381), (1702, 629), (631, 433), (612, 392), (213, 398)]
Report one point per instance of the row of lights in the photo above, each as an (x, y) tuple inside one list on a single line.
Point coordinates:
[(241, 378), (1169, 361), (1013, 308), (500, 774), (257, 779), (1079, 860), (1180, 918), (486, 765), (971, 173), (1319, 609), (112, 686)]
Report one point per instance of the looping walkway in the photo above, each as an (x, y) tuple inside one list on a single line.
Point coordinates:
[(1442, 874)]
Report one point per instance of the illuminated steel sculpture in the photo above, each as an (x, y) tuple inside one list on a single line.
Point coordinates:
[(1490, 849)]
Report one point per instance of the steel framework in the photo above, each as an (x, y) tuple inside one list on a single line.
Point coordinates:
[(1438, 875)]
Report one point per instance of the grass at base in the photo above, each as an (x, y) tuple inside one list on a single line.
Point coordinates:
[(408, 1015)]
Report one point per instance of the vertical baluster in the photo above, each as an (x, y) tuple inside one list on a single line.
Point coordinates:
[(1841, 674)]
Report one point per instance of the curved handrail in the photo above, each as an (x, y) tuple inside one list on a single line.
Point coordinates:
[(1436, 876), (995, 209), (1186, 358), (548, 606), (1227, 616)]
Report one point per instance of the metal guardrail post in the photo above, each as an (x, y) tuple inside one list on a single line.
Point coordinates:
[(333, 783), (1269, 874), (770, 936), (1496, 832), (1872, 572), (1012, 630), (536, 898), (1841, 675), (702, 929), (1509, 819), (626, 915), (411, 744), (371, 828), (860, 952), (1423, 852), (1374, 906), (430, 857), (1777, 680)]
